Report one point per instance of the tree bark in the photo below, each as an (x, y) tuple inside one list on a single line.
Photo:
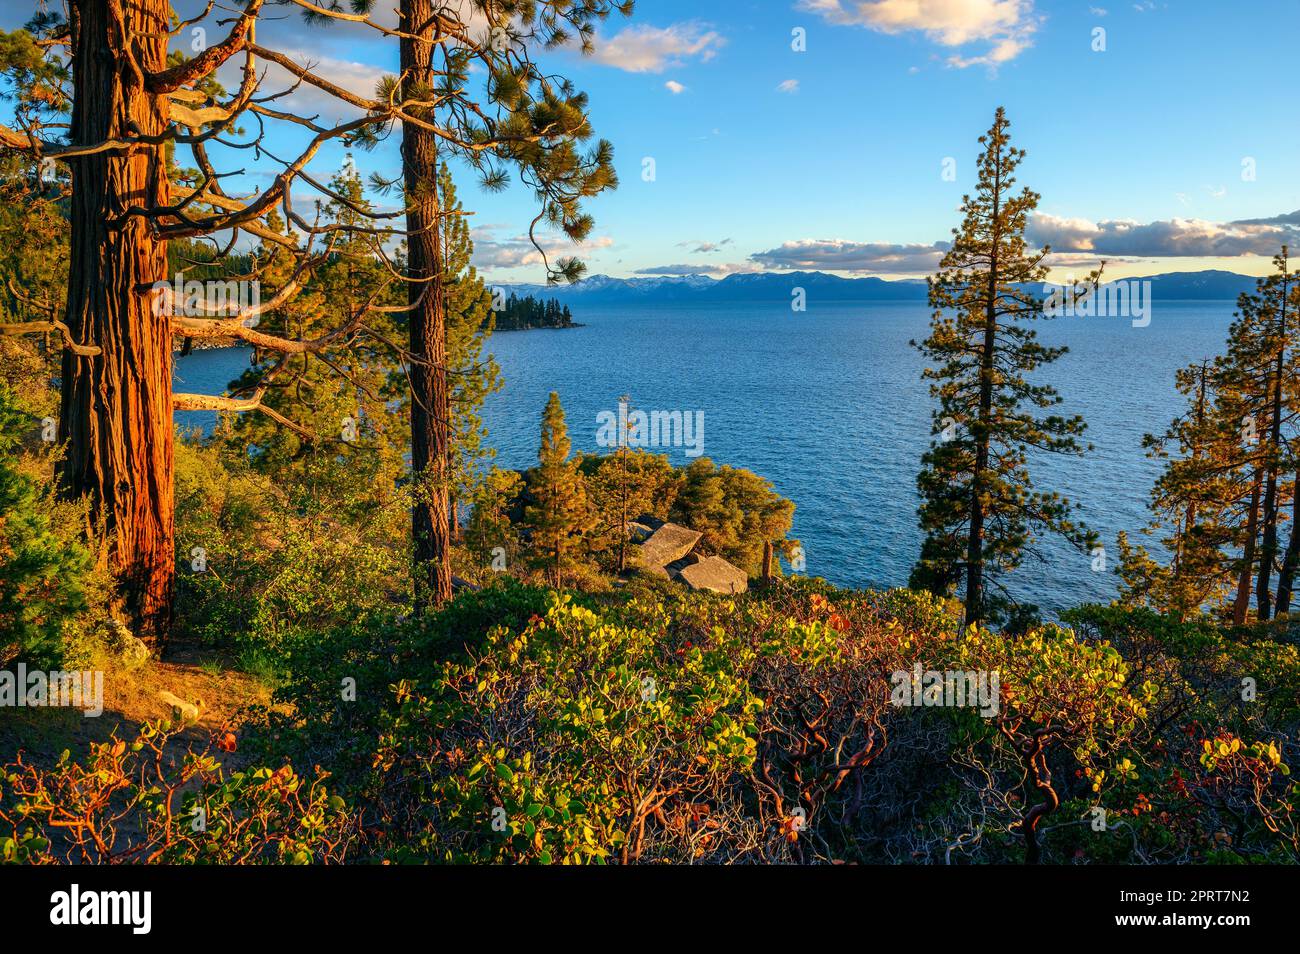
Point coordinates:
[(1290, 560), (975, 542), (1241, 605), (1268, 548), (116, 407), (430, 404)]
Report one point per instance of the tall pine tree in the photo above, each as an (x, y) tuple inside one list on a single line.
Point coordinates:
[(557, 518), (979, 509)]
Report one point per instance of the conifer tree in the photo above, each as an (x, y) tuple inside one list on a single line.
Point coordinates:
[(980, 511), (470, 322), (557, 519), (625, 484), (1191, 500), (1230, 469), (1262, 352)]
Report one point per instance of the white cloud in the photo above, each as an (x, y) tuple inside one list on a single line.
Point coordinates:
[(1008, 25), (699, 246), (1167, 238), (360, 79), (649, 49), (788, 86), (845, 256), (518, 251), (674, 87)]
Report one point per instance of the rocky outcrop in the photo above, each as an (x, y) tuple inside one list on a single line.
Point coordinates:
[(669, 543), (666, 550), (715, 575)]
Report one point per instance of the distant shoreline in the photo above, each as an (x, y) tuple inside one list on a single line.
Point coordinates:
[(572, 324)]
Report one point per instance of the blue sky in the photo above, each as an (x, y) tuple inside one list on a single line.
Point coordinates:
[(833, 157)]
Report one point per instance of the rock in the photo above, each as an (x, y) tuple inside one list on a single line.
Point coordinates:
[(639, 532), (714, 574), (667, 544), (128, 649), (675, 568), (182, 711)]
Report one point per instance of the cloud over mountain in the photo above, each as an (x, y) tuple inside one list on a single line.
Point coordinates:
[(860, 257), (1164, 238)]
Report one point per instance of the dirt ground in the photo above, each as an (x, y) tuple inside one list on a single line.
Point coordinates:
[(131, 697)]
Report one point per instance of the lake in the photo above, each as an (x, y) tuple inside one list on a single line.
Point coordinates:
[(828, 405)]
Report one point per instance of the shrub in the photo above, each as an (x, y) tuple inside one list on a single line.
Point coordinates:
[(43, 568)]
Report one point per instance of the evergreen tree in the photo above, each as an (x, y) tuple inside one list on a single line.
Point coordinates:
[(557, 518), (470, 322), (1191, 500), (490, 526), (40, 574), (979, 510), (1230, 469), (623, 485), (1261, 354), (344, 436), (738, 512)]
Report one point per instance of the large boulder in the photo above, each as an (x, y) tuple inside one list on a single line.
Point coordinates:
[(639, 532), (666, 545), (129, 650), (715, 575)]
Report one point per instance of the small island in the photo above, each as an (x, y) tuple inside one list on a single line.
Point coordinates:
[(524, 314)]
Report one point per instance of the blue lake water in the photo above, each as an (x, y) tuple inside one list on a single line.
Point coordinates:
[(828, 404)]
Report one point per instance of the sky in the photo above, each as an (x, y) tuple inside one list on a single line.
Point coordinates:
[(840, 135)]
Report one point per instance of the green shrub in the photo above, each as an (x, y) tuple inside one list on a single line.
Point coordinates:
[(43, 568)]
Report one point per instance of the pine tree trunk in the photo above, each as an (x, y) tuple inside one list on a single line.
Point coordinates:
[(430, 405), (1242, 603), (116, 407), (1268, 548), (975, 542), (768, 553), (1291, 559)]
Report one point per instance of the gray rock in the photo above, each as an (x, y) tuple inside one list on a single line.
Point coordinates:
[(651, 521), (182, 711), (639, 532), (715, 575), (126, 648), (667, 544)]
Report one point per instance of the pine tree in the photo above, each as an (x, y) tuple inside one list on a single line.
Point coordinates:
[(979, 509), (557, 518), (1191, 500), (625, 484), (1230, 469), (40, 575), (1262, 351), (470, 322), (345, 435)]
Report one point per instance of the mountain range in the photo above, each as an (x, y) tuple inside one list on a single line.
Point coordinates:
[(774, 287)]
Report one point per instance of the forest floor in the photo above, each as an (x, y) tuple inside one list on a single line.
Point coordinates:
[(223, 694)]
